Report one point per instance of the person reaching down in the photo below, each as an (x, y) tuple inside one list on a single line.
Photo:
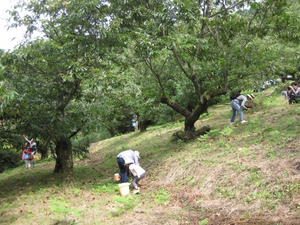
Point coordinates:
[(124, 158), (238, 104), (138, 173)]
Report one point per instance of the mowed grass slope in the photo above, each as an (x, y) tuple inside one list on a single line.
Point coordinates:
[(236, 174)]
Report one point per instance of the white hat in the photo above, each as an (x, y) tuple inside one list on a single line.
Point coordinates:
[(137, 153), (251, 96)]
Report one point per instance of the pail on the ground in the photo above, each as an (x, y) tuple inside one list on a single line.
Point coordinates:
[(124, 189)]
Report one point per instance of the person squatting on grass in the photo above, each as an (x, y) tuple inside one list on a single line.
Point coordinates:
[(293, 92), (238, 104), (138, 173), (124, 158)]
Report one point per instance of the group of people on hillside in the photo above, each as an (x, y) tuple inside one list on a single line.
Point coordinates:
[(30, 150), (128, 162), (238, 101)]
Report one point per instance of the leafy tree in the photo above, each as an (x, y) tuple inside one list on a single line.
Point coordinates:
[(198, 44), (51, 74), (286, 38)]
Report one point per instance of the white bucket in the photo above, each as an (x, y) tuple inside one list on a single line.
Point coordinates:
[(124, 189)]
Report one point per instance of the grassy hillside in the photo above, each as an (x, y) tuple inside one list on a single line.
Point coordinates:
[(236, 174)]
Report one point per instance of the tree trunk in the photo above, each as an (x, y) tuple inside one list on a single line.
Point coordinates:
[(186, 136), (42, 149), (200, 108), (191, 118), (64, 160), (143, 125), (111, 131), (44, 154)]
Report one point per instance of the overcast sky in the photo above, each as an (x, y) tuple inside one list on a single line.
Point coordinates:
[(7, 36)]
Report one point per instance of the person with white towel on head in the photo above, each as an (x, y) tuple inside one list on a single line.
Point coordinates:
[(238, 104)]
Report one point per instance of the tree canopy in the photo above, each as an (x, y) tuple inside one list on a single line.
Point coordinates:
[(97, 63)]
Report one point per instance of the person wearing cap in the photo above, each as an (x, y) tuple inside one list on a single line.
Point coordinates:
[(293, 92), (124, 158), (237, 106)]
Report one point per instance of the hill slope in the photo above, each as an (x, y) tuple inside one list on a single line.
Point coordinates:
[(237, 174)]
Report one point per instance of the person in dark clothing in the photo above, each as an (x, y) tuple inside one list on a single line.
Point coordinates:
[(293, 92)]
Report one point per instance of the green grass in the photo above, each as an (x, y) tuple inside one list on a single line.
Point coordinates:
[(242, 172)]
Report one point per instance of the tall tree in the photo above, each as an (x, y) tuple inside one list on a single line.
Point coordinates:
[(199, 43), (51, 74)]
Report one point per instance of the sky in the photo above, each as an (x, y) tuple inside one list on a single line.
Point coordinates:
[(8, 38)]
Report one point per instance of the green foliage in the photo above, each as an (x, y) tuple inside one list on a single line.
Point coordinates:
[(62, 207), (58, 67), (254, 176), (80, 146), (162, 197), (226, 131), (128, 203), (226, 192), (213, 132), (100, 63), (291, 189), (105, 188), (10, 158), (203, 222)]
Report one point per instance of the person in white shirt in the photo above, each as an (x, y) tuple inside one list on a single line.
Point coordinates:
[(32, 144), (238, 103), (138, 173)]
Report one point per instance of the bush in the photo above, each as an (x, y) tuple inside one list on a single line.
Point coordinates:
[(9, 158)]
